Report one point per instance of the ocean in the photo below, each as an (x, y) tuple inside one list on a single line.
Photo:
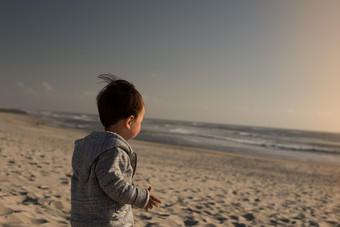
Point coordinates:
[(269, 142)]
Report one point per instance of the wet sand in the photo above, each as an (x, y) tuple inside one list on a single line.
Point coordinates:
[(197, 187)]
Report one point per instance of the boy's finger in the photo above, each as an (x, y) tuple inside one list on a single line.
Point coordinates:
[(155, 199), (154, 203), (149, 188), (147, 208)]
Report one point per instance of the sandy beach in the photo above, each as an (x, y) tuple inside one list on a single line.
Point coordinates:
[(197, 187)]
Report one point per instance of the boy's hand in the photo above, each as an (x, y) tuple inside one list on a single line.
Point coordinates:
[(153, 201)]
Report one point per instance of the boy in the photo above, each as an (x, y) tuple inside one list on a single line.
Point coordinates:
[(103, 162)]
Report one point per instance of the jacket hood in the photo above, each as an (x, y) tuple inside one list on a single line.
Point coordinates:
[(89, 148)]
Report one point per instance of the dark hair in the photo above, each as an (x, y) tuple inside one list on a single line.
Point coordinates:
[(117, 100)]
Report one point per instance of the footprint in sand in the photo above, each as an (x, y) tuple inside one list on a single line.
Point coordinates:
[(222, 219), (236, 224), (42, 187), (249, 217), (64, 180), (150, 224), (29, 200), (144, 217), (190, 222), (234, 217)]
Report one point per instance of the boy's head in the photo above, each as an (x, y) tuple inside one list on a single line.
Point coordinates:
[(118, 100)]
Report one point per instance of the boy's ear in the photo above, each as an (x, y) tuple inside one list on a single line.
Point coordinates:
[(128, 121)]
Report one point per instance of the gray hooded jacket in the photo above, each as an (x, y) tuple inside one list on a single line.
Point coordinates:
[(101, 189)]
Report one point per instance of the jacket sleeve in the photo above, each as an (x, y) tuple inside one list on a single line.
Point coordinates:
[(110, 170)]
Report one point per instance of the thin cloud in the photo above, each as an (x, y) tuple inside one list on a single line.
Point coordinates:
[(26, 90), (48, 87)]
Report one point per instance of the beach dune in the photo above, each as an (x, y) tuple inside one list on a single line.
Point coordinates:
[(197, 187)]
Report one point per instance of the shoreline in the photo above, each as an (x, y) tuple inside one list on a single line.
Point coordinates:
[(269, 146), (198, 187), (228, 153), (311, 159)]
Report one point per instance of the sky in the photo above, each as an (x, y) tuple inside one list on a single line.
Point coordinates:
[(258, 63)]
